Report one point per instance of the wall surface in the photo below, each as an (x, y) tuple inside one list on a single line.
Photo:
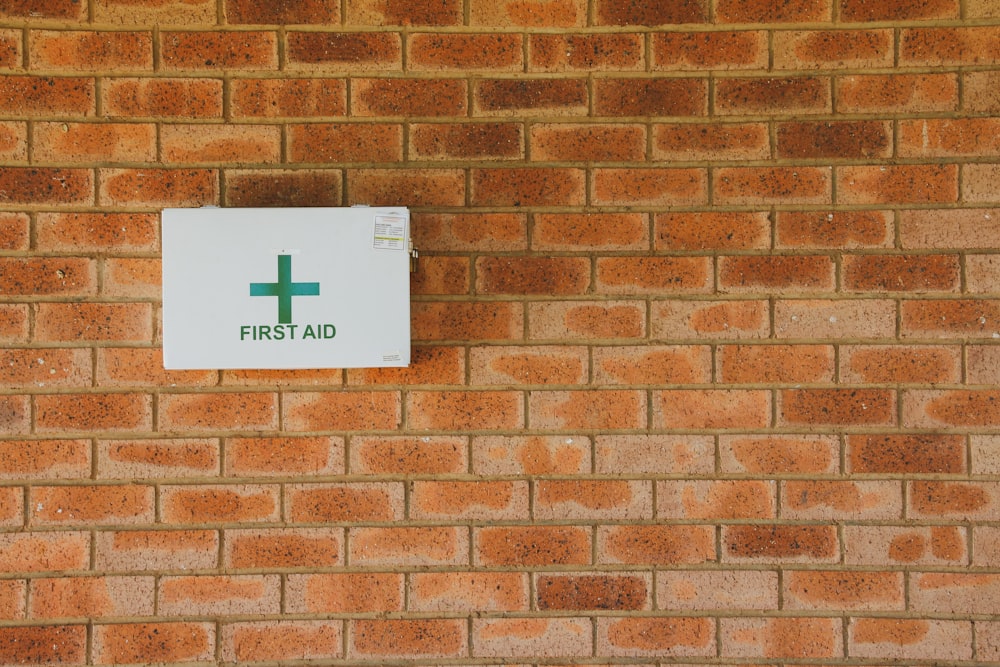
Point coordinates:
[(705, 332)]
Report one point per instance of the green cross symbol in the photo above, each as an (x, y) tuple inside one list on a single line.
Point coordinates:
[(284, 289)]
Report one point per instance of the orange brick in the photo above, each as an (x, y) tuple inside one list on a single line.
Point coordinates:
[(678, 320), (586, 499), (501, 141), (831, 589), (910, 638), (354, 142), (176, 98), (76, 505), (310, 11), (51, 367), (524, 96), (139, 459), (469, 231), (761, 11), (917, 184), (704, 141), (711, 231), (314, 503), (218, 411), (484, 500), (882, 364), (12, 599), (527, 187), (406, 97), (14, 228), (717, 590), (15, 414), (11, 49), (756, 186), (402, 12), (428, 365), (468, 591), (785, 637), (780, 543), (783, 95), (142, 366), (722, 50), (531, 637), (711, 409), (43, 9), (277, 188), (586, 320), (775, 363), (955, 499), (11, 507), (845, 407), (408, 546), (451, 320), (134, 277), (90, 51), (49, 644), (219, 503), (639, 544), (426, 638), (779, 455), (93, 597), (857, 10), (983, 364), (209, 144), (219, 595), (528, 365), (101, 232), (530, 455), (14, 323), (590, 143), (879, 545), (284, 456), (842, 229), (406, 455), (288, 97), (225, 50), (93, 412), (947, 138), (590, 231), (533, 13), (949, 46), (716, 499), (831, 319), (71, 276), (159, 642), (464, 410), (88, 142), (654, 454), (533, 545), (834, 499), (962, 408), (39, 96), (980, 91), (786, 272), (143, 550), (652, 364), (874, 93), (841, 49), (44, 459), (532, 275), (44, 552), (653, 636), (169, 12), (825, 139), (681, 97), (416, 187), (637, 275), (907, 454), (649, 187), (590, 52), (283, 547), (494, 51), (345, 593), (352, 411), (591, 409), (958, 318), (158, 187), (281, 640)]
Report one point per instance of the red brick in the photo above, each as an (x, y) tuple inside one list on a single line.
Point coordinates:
[(90, 51), (409, 546), (775, 363), (82, 232), (858, 10), (710, 319), (590, 143), (532, 275), (12, 599), (93, 597), (219, 595), (158, 642), (652, 636), (780, 543), (281, 640), (917, 184), (13, 147), (878, 545), (826, 589), (325, 12), (349, 51), (408, 97), (493, 97), (45, 96), (834, 140), (651, 97), (716, 141), (835, 499), (531, 637), (22, 368), (906, 454), (843, 229), (48, 644), (76, 505), (756, 186), (652, 365), (89, 142), (890, 364), (483, 500), (218, 411), (716, 499), (44, 459), (723, 50), (450, 320), (158, 187), (14, 323), (142, 366), (345, 593), (426, 638), (525, 546), (11, 507), (528, 365), (428, 365), (711, 409), (467, 140), (435, 52), (314, 503), (955, 499), (176, 98), (93, 412), (528, 13), (711, 231), (527, 187), (958, 318), (404, 12), (896, 93), (11, 49), (283, 547), (590, 52), (44, 9), (166, 12), (784, 637), (361, 410), (70, 276), (846, 407), (530, 455), (639, 544), (841, 49), (44, 552), (15, 233), (590, 231), (353, 142), (15, 414), (462, 410), (441, 275), (283, 188), (717, 590), (468, 591), (284, 456), (949, 46), (288, 97), (609, 12), (225, 50), (136, 459), (649, 187), (222, 503), (787, 95), (586, 499), (469, 231), (413, 187), (639, 275), (32, 186), (144, 550), (405, 455), (910, 638), (947, 138), (788, 273), (818, 318)]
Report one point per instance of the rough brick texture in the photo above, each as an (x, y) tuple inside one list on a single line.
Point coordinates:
[(706, 335)]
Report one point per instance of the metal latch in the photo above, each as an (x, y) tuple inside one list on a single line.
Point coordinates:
[(413, 256)]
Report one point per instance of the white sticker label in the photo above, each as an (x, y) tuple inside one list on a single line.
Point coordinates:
[(390, 233)]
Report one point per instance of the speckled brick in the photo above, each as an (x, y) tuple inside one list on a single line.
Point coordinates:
[(44, 96), (495, 52), (708, 590), (584, 499), (408, 546), (139, 550), (530, 13), (654, 454), (780, 95), (831, 319), (567, 53), (874, 93), (330, 503), (496, 97), (910, 638), (949, 46), (675, 320), (532, 637), (843, 49), (656, 544), (408, 97), (711, 409), (756, 186), (288, 97), (936, 545), (281, 640), (704, 141), (468, 591), (44, 644), (159, 641), (649, 187), (778, 454), (722, 50), (531, 455), (259, 12), (96, 597), (684, 97), (157, 458), (711, 231), (840, 229), (785, 637), (177, 98), (833, 499), (533, 545), (348, 51), (412, 187), (288, 547), (656, 636), (501, 141), (44, 9), (652, 365), (780, 543), (718, 499)]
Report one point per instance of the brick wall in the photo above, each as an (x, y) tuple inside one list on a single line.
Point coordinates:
[(705, 329)]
